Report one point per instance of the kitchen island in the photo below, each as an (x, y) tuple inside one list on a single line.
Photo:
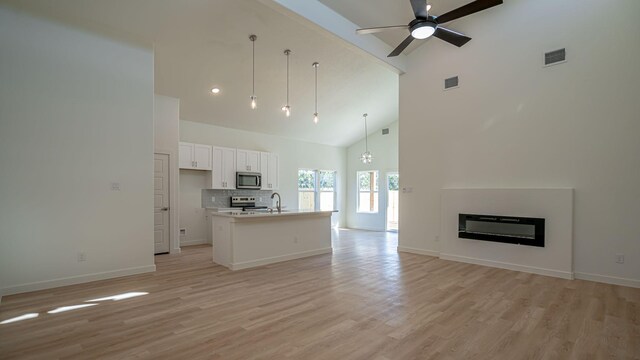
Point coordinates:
[(243, 240)]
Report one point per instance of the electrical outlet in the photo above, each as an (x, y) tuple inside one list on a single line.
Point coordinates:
[(82, 256), (183, 232), (260, 198), (437, 238), (295, 239), (213, 199), (620, 258)]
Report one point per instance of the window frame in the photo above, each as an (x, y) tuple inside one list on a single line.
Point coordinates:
[(317, 191), (375, 189)]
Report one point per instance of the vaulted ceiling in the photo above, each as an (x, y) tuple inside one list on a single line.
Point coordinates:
[(200, 44)]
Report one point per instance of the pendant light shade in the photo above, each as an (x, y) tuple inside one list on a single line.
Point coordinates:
[(315, 114), (366, 156), (254, 98), (286, 108)]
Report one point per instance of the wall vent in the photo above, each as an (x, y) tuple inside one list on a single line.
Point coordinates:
[(451, 83), (555, 57), (385, 131)]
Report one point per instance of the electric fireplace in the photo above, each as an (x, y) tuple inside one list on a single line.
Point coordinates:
[(504, 229)]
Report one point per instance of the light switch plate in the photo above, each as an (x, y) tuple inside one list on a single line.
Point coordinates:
[(115, 186)]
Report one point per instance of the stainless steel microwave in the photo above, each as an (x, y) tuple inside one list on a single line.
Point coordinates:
[(248, 180)]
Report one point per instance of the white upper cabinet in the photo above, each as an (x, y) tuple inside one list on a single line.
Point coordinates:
[(269, 165), (194, 156), (247, 160), (223, 173), (185, 156), (202, 156)]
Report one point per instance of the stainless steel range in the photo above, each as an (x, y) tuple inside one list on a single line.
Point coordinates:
[(245, 203)]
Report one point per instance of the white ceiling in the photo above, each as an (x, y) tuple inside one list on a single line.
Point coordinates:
[(372, 13), (200, 44)]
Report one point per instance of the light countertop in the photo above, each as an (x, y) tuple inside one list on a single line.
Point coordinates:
[(264, 214)]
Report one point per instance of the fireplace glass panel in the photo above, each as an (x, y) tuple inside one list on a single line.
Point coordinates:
[(525, 231)]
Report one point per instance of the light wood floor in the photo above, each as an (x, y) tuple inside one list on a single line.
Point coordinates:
[(365, 301)]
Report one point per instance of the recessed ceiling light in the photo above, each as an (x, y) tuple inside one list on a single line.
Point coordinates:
[(428, 7), (215, 90)]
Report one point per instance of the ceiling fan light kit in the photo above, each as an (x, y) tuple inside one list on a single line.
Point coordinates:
[(425, 25), (423, 29)]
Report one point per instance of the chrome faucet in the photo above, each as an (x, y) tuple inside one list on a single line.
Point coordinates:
[(278, 205)]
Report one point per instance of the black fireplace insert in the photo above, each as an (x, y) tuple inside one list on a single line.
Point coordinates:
[(504, 229)]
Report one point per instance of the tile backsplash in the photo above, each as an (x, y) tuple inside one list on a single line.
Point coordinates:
[(223, 197)]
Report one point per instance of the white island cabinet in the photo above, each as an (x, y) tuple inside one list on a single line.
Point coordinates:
[(243, 241)]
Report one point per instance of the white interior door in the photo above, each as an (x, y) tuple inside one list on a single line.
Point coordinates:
[(161, 229)]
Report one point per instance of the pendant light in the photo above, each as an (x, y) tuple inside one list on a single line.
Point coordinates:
[(366, 156), (315, 114), (286, 108), (254, 98)]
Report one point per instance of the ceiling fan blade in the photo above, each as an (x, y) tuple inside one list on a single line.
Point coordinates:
[(379, 29), (451, 36), (470, 8), (403, 45), (419, 8)]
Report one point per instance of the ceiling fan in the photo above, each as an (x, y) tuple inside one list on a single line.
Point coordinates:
[(425, 25)]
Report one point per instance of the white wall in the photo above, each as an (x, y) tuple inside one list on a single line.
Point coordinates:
[(192, 215), (385, 159), (514, 124), (294, 154), (76, 114), (166, 134)]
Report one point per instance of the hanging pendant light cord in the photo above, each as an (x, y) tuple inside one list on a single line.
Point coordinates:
[(366, 135), (287, 52), (253, 90)]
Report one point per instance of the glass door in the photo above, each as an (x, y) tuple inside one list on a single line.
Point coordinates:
[(393, 187)]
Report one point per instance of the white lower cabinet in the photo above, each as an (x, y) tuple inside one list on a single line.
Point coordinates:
[(269, 166)]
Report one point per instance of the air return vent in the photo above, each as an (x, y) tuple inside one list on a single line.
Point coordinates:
[(451, 83), (555, 57), (385, 131)]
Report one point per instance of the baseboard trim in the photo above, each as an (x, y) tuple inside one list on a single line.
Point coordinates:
[(364, 228), (608, 279), (277, 259), (418, 251), (72, 280), (193, 242), (509, 266)]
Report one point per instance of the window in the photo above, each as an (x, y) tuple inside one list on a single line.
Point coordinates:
[(327, 190), (316, 189), (368, 191), (306, 189)]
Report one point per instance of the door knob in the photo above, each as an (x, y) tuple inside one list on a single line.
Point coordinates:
[(165, 209)]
